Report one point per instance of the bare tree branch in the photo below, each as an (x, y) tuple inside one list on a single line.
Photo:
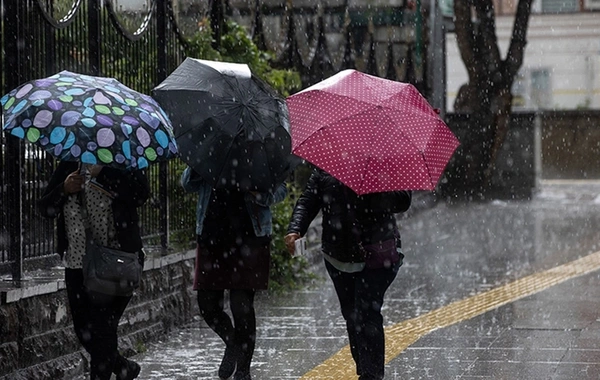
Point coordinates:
[(486, 15), (463, 27), (516, 50)]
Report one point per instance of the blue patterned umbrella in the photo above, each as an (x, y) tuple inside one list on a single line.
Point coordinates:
[(94, 120)]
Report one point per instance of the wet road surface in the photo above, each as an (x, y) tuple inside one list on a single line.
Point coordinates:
[(488, 291)]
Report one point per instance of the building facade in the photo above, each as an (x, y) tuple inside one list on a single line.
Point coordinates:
[(561, 66)]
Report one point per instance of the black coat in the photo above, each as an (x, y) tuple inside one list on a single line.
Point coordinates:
[(130, 189), (347, 217)]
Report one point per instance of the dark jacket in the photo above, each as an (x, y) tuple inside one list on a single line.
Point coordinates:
[(347, 217), (130, 190)]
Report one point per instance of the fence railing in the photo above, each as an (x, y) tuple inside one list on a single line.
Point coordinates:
[(42, 37)]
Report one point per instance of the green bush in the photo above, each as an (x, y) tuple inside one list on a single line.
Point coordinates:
[(287, 272), (182, 211), (237, 46)]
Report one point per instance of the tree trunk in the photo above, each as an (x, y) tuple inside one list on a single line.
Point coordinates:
[(486, 99)]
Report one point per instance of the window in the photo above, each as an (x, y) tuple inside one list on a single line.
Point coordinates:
[(540, 90), (519, 92), (555, 6), (592, 4)]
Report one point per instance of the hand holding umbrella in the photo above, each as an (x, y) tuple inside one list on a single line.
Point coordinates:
[(74, 183)]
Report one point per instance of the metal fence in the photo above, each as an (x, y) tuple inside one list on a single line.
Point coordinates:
[(42, 37)]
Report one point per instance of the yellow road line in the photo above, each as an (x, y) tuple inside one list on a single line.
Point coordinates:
[(401, 335)]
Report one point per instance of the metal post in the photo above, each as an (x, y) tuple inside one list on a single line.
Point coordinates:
[(372, 62), (15, 51), (216, 22), (163, 194), (258, 34), (161, 26), (94, 37), (537, 149), (50, 43), (436, 67), (418, 35)]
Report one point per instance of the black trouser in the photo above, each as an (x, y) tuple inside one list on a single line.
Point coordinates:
[(242, 332), (95, 320), (361, 298)]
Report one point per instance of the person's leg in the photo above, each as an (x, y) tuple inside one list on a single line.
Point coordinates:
[(242, 307), (78, 305), (211, 304), (371, 286), (89, 319), (105, 311), (344, 284), (123, 368)]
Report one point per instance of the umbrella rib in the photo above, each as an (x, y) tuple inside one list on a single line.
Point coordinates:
[(344, 97), (369, 160), (411, 142), (366, 103), (373, 141), (433, 185)]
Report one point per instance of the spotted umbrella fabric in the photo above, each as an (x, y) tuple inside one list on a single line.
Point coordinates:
[(372, 134), (94, 120)]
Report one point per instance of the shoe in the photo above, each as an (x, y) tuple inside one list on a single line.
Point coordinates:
[(242, 376), (129, 371), (228, 363)]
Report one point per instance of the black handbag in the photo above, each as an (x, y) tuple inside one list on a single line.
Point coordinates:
[(107, 270), (382, 255)]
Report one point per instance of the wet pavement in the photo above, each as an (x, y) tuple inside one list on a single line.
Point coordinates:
[(487, 291)]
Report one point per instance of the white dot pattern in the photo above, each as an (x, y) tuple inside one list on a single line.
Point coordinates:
[(100, 215), (370, 133)]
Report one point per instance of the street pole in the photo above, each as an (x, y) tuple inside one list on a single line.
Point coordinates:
[(418, 37), (163, 188), (217, 22), (436, 67), (15, 50), (94, 37)]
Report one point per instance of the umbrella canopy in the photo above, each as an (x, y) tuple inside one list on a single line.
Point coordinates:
[(372, 134), (94, 120), (230, 127)]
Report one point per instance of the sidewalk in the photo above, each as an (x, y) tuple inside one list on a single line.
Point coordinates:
[(546, 329)]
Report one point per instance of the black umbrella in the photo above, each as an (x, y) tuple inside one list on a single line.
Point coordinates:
[(230, 127)]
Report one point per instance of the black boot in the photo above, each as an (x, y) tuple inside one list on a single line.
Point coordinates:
[(126, 369), (243, 366), (242, 376), (229, 362)]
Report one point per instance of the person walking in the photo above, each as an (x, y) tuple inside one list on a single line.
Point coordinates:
[(111, 197), (362, 253), (233, 229)]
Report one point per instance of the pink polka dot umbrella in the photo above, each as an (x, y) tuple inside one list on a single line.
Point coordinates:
[(93, 120), (372, 134)]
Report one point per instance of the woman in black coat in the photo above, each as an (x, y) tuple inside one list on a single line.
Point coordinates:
[(111, 199), (361, 247)]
